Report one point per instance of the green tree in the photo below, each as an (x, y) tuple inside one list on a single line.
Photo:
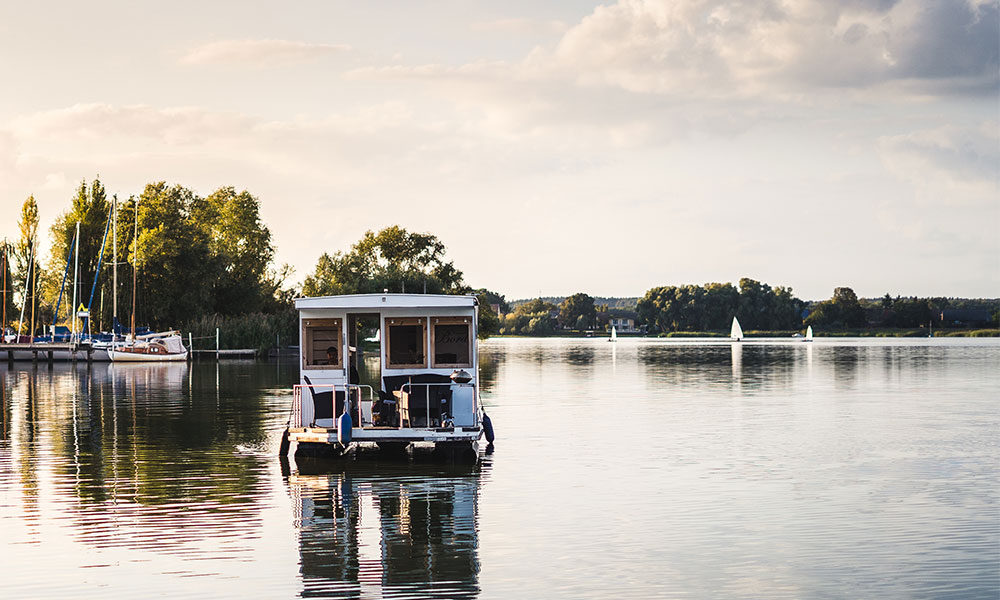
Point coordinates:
[(393, 259), (577, 310), (241, 249), (842, 310), (91, 209), (25, 261), (489, 321), (7, 284)]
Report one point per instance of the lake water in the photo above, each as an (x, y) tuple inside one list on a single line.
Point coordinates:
[(640, 469)]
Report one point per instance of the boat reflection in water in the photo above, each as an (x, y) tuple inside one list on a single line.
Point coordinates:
[(374, 530)]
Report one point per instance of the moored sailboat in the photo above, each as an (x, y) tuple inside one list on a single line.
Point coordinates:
[(153, 347)]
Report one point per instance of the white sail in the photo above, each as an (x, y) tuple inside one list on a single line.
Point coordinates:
[(809, 333), (736, 333), (614, 334)]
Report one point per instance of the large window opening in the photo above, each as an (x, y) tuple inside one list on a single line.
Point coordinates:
[(406, 343), (451, 342), (322, 344)]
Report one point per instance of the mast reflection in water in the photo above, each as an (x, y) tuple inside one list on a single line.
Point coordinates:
[(373, 530)]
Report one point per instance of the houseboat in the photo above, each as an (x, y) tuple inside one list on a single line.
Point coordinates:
[(427, 387)]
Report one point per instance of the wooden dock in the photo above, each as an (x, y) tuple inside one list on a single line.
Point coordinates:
[(85, 352), (220, 354), (48, 352)]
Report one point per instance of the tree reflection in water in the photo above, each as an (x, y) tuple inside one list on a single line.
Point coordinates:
[(370, 529)]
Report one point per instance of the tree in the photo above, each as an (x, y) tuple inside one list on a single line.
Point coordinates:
[(173, 256), (7, 284), (240, 243), (91, 210), (25, 260), (577, 310), (530, 318), (393, 259), (489, 321), (842, 310)]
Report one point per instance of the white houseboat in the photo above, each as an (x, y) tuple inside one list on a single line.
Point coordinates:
[(427, 389)]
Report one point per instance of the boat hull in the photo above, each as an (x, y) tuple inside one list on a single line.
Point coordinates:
[(121, 356)]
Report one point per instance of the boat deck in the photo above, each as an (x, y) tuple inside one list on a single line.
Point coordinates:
[(328, 435)]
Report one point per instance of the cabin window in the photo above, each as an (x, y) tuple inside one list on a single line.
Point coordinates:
[(451, 341), (322, 343), (406, 343)]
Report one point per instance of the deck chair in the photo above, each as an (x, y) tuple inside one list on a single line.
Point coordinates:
[(323, 403)]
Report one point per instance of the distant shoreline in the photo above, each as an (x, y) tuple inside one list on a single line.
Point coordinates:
[(907, 333)]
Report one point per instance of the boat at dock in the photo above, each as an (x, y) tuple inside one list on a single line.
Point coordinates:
[(428, 385), (155, 347)]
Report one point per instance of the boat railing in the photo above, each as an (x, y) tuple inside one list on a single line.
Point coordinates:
[(347, 388), (403, 407)]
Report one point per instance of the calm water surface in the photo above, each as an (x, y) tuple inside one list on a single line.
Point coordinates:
[(638, 469)]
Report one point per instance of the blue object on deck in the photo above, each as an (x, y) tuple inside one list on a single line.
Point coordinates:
[(344, 425), (488, 428)]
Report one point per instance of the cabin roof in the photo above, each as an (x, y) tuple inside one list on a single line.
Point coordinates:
[(379, 301)]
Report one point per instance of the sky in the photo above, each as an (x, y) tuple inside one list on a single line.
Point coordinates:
[(553, 147)]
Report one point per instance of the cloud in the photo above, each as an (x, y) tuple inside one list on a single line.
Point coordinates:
[(948, 164), (260, 53), (729, 49)]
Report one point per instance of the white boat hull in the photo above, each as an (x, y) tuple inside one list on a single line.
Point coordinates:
[(121, 356)]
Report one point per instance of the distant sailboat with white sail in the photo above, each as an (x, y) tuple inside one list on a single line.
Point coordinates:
[(809, 334), (614, 334), (736, 332)]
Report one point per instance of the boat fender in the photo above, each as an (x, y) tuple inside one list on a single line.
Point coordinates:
[(283, 449), (344, 425), (488, 428)]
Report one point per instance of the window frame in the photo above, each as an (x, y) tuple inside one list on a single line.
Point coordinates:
[(308, 345), (390, 322), (433, 331)]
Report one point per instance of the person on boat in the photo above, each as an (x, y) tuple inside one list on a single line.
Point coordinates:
[(353, 376), (331, 355)]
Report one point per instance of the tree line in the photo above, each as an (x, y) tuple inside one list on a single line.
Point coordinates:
[(189, 256), (205, 262)]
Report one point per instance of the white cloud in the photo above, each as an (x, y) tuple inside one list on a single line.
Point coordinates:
[(728, 49), (949, 164), (260, 53)]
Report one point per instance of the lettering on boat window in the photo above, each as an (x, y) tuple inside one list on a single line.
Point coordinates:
[(407, 343), (451, 342), (322, 344)]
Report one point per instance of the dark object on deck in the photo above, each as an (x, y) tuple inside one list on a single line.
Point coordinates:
[(488, 428), (344, 426), (283, 449), (461, 376), (417, 396), (323, 407)]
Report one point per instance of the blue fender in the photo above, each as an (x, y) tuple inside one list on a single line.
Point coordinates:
[(488, 428), (344, 426)]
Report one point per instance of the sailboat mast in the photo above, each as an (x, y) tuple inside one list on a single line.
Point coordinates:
[(114, 244), (3, 326), (135, 265), (27, 281), (76, 272), (34, 283)]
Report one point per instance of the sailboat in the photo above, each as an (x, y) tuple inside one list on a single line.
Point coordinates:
[(614, 334), (736, 332), (154, 347), (809, 334)]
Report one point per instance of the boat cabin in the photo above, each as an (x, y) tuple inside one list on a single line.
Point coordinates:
[(420, 356)]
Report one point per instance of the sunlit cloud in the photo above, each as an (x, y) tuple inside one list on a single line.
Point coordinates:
[(260, 53)]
